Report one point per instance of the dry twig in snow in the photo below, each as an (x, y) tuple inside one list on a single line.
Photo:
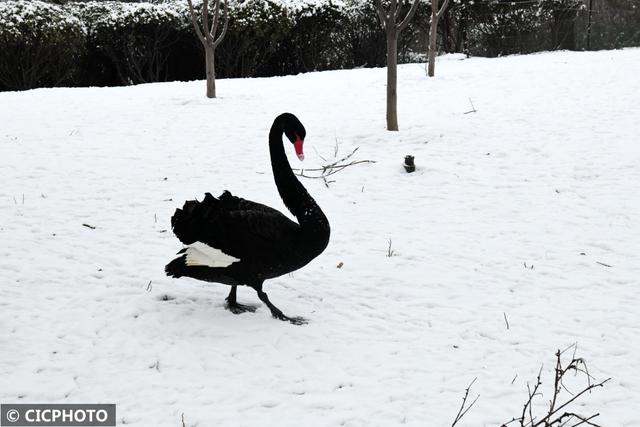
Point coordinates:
[(332, 168)]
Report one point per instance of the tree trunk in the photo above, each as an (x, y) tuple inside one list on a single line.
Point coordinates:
[(433, 34), (392, 80), (589, 25), (211, 71), (464, 46)]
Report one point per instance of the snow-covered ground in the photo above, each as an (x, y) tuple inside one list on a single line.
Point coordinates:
[(546, 172)]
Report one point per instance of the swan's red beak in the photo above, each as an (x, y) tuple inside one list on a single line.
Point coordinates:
[(298, 147)]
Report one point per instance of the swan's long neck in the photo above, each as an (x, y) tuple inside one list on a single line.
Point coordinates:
[(293, 194)]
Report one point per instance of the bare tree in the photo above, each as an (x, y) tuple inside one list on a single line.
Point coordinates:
[(206, 32), (436, 14), (389, 19)]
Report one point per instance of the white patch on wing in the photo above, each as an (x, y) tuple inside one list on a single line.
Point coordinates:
[(202, 254)]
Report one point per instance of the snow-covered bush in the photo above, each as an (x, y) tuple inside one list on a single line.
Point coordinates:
[(499, 27), (115, 43), (362, 41), (615, 24), (40, 44), (413, 40), (130, 42), (315, 36), (274, 37), (254, 44)]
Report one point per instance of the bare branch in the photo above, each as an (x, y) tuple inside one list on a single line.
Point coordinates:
[(205, 19), (348, 156), (194, 22), (382, 14), (570, 416), (462, 411), (332, 168), (588, 388), (397, 11), (513, 420), (401, 6), (556, 382), (393, 8), (442, 9), (402, 25), (329, 169), (528, 403), (216, 16), (224, 26)]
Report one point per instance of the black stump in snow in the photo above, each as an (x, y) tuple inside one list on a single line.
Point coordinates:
[(409, 164)]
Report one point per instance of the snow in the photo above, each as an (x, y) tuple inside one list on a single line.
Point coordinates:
[(545, 173)]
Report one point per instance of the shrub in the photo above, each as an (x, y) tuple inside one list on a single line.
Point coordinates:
[(254, 44), (40, 44), (362, 42), (505, 27), (115, 43), (614, 24), (414, 40), (314, 36), (130, 42)]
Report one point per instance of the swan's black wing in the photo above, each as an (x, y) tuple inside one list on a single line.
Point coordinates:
[(233, 203), (251, 234), (238, 227)]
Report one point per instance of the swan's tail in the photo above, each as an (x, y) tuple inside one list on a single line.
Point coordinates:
[(200, 262), (190, 222), (177, 267)]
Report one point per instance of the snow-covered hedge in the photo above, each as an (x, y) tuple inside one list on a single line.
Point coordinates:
[(129, 42), (503, 27), (255, 40), (315, 39), (40, 44), (116, 43), (122, 43)]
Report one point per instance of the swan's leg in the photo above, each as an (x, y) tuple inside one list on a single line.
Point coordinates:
[(275, 311), (232, 303)]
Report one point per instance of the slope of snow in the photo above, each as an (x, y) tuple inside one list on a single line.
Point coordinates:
[(545, 173)]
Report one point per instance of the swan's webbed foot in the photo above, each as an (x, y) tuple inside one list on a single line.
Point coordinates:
[(233, 306), (277, 313), (298, 320), (236, 308), (293, 320)]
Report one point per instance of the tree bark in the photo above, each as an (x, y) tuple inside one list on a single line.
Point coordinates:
[(389, 20), (433, 34), (589, 25), (436, 14), (392, 80), (211, 71)]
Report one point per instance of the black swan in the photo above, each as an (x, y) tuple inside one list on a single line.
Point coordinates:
[(239, 242)]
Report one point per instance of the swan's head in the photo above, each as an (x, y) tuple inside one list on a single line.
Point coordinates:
[(295, 132)]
